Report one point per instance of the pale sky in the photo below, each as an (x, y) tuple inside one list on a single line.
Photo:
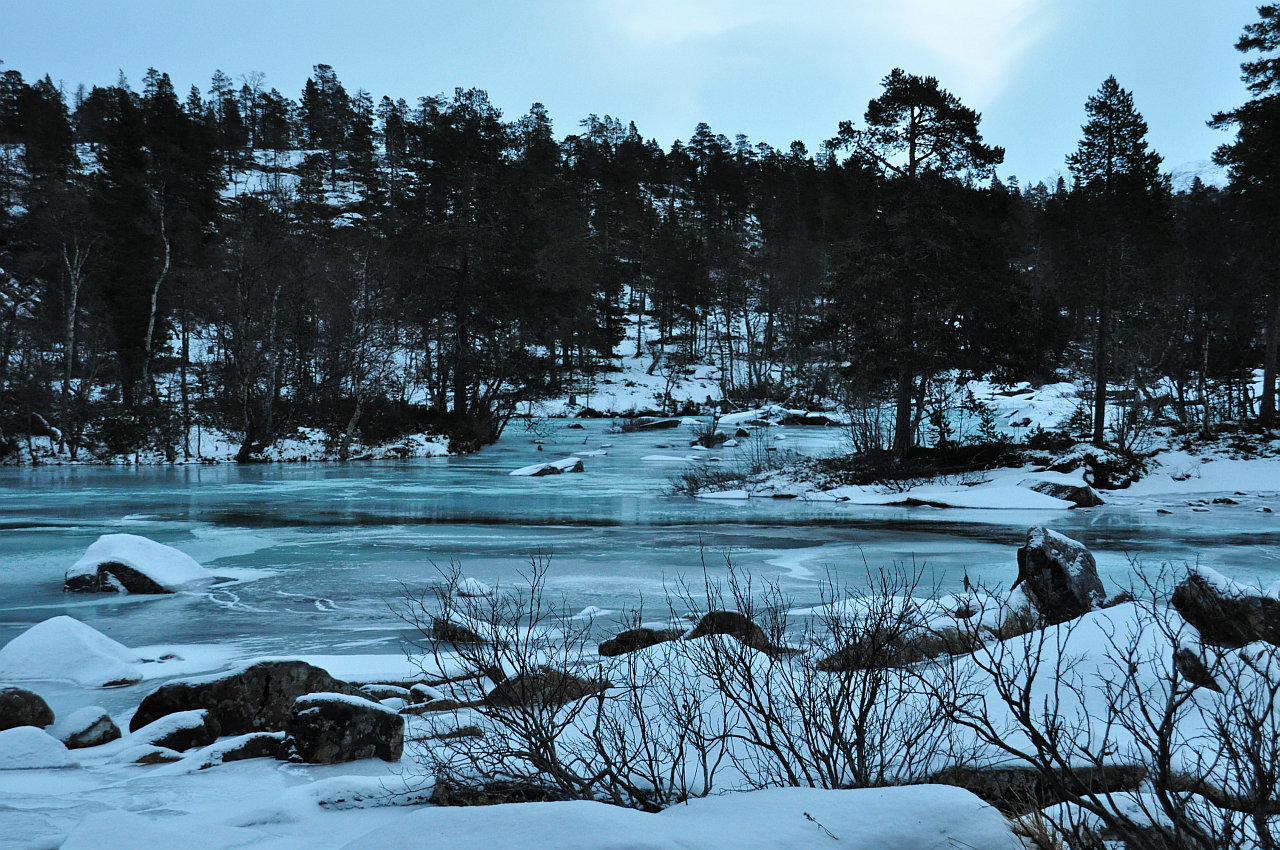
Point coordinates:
[(775, 71)]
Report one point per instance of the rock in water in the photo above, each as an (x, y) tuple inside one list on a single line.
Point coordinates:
[(328, 728), (127, 563), (1224, 614), (88, 727), (257, 699), (20, 707), (1060, 575)]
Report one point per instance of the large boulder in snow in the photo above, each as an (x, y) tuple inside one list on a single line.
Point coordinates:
[(1018, 791), (884, 648), (29, 748), (1068, 488), (88, 727), (326, 728), (635, 639), (737, 625), (542, 687), (127, 563), (20, 707), (63, 648), (180, 731), (1059, 576), (1224, 613), (256, 699)]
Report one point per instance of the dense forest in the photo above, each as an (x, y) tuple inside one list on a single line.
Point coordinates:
[(259, 263)]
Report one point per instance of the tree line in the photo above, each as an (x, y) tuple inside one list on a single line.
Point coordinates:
[(258, 263)]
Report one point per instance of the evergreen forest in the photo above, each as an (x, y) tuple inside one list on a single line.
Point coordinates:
[(259, 263)]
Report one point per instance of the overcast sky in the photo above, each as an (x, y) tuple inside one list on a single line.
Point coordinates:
[(776, 71)]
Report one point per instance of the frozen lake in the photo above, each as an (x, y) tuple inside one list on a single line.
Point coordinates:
[(322, 552)]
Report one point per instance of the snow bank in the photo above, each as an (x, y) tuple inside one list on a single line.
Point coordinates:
[(775, 819), (29, 748), (117, 830), (63, 648), (166, 566)]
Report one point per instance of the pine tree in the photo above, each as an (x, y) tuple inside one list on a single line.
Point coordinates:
[(1253, 161), (902, 284)]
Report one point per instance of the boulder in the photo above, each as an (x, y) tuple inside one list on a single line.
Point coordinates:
[(451, 632), (127, 563), (1192, 668), (181, 730), (1060, 575), (735, 625), (255, 745), (1081, 495), (88, 727), (473, 587), (256, 699), (1224, 614), (644, 423), (877, 650), (329, 728), (20, 707), (380, 692), (543, 687), (634, 639), (1017, 791)]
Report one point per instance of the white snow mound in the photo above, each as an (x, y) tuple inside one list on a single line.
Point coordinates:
[(907, 818), (165, 565), (63, 648), (29, 748)]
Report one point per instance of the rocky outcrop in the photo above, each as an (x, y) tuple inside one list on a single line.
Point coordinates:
[(88, 727), (634, 639), (257, 699), (20, 707), (1225, 615), (330, 728), (1059, 576), (542, 687)]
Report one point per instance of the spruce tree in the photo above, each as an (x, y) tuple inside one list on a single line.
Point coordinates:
[(1122, 198)]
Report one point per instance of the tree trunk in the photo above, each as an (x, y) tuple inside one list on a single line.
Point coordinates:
[(1271, 336), (1102, 341), (155, 299)]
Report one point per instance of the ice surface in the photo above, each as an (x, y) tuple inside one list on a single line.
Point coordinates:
[(64, 648)]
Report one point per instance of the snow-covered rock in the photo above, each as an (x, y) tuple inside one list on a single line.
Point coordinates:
[(90, 726), (472, 587), (327, 728), (555, 467), (1060, 575), (65, 649), (29, 748), (128, 563), (179, 731)]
